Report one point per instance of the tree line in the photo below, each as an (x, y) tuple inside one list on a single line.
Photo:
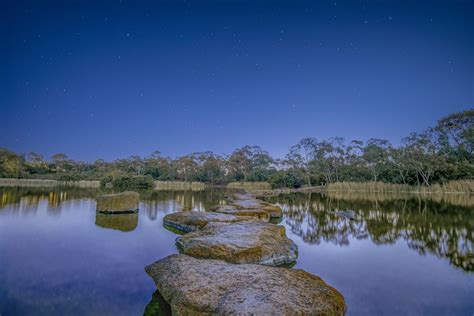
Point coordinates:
[(436, 155)]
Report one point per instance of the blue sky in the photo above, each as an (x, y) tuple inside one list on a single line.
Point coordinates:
[(120, 78)]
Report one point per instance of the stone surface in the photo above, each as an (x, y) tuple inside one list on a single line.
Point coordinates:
[(229, 209), (273, 210), (247, 201), (206, 287), (245, 242), (122, 222), (188, 221), (125, 202)]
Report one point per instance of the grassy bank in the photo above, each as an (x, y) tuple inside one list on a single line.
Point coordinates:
[(48, 183), (459, 186), (458, 199), (178, 186), (250, 186)]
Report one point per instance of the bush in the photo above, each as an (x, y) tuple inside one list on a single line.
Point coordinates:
[(286, 179), (129, 182)]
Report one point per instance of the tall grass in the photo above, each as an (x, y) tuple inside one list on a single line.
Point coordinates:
[(250, 186), (48, 183), (458, 186), (178, 186), (459, 199)]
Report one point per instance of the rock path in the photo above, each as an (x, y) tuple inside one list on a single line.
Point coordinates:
[(228, 265)]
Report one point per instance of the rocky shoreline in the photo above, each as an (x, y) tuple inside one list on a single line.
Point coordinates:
[(234, 260)]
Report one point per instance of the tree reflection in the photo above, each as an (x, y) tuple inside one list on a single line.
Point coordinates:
[(427, 226)]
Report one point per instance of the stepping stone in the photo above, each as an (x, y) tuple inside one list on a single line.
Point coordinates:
[(246, 201), (125, 202), (188, 221), (245, 242), (208, 287), (229, 209)]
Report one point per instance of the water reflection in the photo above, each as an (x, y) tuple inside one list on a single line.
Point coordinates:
[(30, 197), (23, 199), (426, 225), (157, 306), (122, 222), (58, 256)]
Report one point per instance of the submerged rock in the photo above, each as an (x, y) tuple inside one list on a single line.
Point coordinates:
[(229, 209), (122, 222), (244, 242), (205, 287), (188, 221), (125, 202)]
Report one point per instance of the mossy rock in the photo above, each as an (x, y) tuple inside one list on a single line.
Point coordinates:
[(241, 242), (214, 287), (124, 202)]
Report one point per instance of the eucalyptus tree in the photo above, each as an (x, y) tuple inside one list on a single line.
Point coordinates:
[(11, 164), (375, 154), (239, 164), (455, 135), (186, 167), (400, 160), (301, 156), (422, 155), (329, 158), (158, 166), (249, 163), (211, 167)]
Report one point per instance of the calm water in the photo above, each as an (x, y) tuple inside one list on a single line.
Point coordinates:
[(387, 255)]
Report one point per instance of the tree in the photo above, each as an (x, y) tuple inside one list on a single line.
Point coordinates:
[(11, 164), (422, 155), (59, 161), (375, 154), (301, 155), (186, 167), (400, 159)]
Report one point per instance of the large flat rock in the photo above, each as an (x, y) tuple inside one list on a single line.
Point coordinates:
[(248, 202), (208, 287), (124, 202), (245, 201), (189, 221), (229, 209), (241, 242)]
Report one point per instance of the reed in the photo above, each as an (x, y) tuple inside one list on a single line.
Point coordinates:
[(250, 186), (6, 182), (458, 186), (457, 199), (178, 186)]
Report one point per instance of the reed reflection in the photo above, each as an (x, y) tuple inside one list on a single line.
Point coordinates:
[(426, 225)]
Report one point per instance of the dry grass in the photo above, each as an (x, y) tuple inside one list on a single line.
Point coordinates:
[(250, 186), (459, 199), (48, 183), (459, 186), (178, 186)]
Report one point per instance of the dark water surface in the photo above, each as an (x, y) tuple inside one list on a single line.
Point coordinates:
[(387, 255)]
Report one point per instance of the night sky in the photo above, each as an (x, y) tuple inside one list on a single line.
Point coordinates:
[(119, 78)]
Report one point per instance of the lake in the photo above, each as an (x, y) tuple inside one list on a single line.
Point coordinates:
[(388, 255)]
